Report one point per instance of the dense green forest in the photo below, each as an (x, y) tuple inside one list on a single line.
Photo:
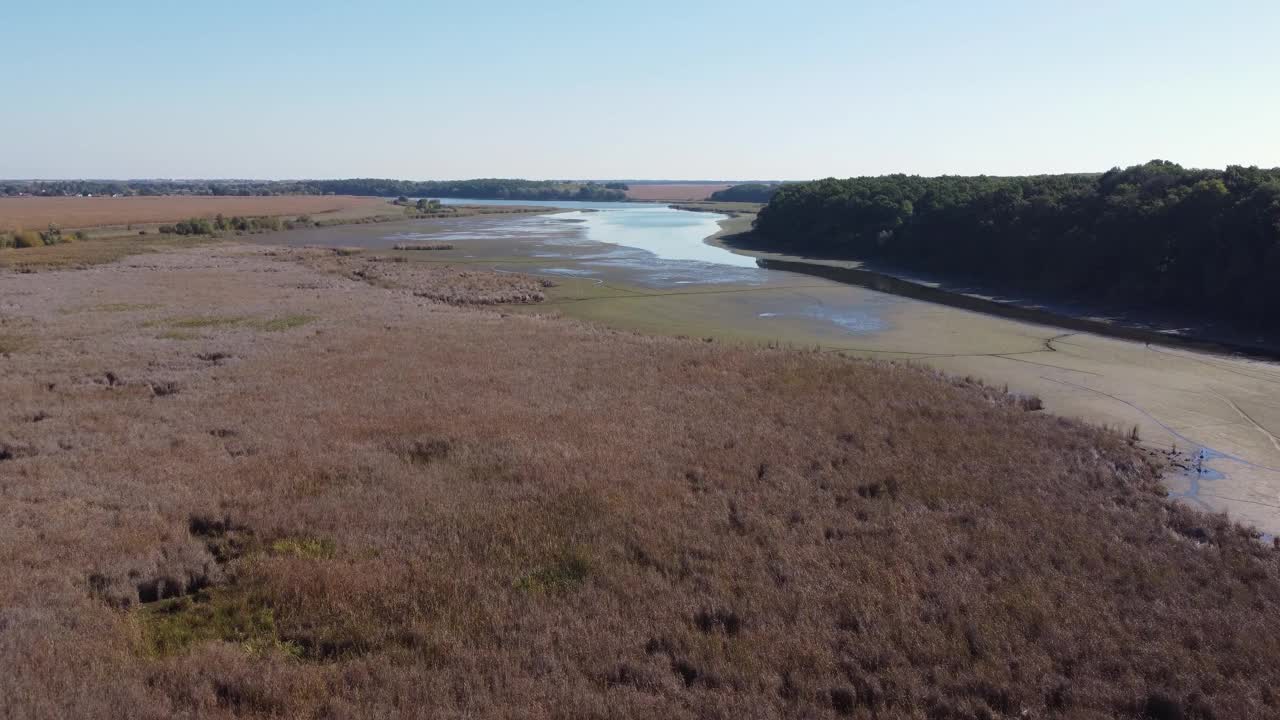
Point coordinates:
[(747, 192), (1156, 236), (482, 189)]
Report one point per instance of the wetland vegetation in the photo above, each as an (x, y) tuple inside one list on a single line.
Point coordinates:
[(294, 427), (390, 500)]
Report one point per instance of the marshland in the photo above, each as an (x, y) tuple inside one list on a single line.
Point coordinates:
[(305, 473), (572, 360)]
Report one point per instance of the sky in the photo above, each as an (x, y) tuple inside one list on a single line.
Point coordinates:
[(656, 89)]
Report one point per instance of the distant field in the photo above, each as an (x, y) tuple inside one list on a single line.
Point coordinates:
[(674, 192), (78, 212)]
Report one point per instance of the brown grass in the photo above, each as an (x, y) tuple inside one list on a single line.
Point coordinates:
[(406, 508), (438, 282), (674, 192), (74, 212), (96, 251), (424, 246)]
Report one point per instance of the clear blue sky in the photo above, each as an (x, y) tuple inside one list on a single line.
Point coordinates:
[(656, 89)]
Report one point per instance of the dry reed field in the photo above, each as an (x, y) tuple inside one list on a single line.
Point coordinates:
[(84, 212), (675, 192), (251, 482)]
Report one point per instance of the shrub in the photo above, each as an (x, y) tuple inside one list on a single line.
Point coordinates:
[(52, 236), (194, 226), (27, 239)]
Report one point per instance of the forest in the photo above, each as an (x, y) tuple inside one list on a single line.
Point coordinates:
[(1156, 237), (481, 189)]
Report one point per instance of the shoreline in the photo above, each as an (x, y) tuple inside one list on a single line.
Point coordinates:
[(855, 272)]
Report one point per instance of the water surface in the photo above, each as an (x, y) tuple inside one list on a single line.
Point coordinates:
[(668, 233)]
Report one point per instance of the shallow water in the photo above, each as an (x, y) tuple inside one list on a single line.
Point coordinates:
[(668, 233), (642, 245)]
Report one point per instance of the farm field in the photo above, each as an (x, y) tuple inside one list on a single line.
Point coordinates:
[(675, 192), (85, 212)]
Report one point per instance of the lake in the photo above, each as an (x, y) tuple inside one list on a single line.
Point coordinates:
[(668, 233)]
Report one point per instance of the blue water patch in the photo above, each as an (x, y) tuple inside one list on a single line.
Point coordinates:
[(853, 320), (1197, 471), (577, 272)]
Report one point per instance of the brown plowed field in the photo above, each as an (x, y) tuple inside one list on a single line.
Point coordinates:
[(83, 212), (674, 192)]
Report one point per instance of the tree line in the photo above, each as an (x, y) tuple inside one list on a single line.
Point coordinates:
[(1156, 236), (480, 189)]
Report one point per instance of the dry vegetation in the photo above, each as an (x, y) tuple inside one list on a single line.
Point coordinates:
[(80, 212), (424, 246), (441, 283), (405, 508), (96, 251)]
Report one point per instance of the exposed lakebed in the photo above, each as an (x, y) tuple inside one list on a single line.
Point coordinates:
[(642, 245), (647, 267)]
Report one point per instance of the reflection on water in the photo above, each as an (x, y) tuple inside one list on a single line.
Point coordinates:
[(667, 233)]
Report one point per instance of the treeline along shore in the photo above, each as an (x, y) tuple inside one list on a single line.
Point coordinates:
[(1153, 237), (479, 189)]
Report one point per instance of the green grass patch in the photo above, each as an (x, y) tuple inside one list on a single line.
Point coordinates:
[(179, 335), (287, 322), (306, 547), (122, 307), (170, 627), (11, 343), (213, 322), (207, 321), (565, 572)]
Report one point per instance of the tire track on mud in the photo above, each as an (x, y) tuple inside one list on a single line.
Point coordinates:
[(1275, 380), (1256, 425), (1218, 454)]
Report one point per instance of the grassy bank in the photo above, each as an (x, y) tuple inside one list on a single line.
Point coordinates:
[(131, 235)]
